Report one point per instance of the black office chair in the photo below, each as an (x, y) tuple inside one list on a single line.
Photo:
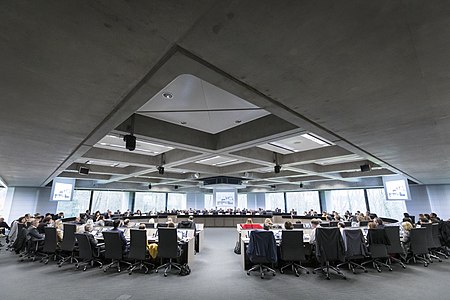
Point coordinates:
[(67, 245), (113, 250), (419, 246), (355, 249), (329, 248), (86, 252), (261, 250), (138, 251), (430, 243), (20, 242), (168, 248), (363, 223), (393, 234), (334, 223), (293, 250), (378, 242), (298, 226), (50, 245), (440, 248)]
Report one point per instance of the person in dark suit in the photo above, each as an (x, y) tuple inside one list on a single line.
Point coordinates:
[(33, 234), (87, 231), (116, 224)]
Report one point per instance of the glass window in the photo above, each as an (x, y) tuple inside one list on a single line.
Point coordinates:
[(79, 204), (2, 200), (385, 208), (209, 201), (148, 202), (176, 201), (274, 200), (303, 201), (242, 201), (114, 201), (343, 200)]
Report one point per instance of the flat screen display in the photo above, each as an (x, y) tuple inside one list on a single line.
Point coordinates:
[(62, 189), (225, 199), (396, 187)]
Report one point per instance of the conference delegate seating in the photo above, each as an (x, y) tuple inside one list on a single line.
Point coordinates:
[(395, 247), (378, 242), (85, 252), (138, 251), (50, 245), (293, 250), (113, 250), (329, 248), (430, 243), (419, 246), (168, 249), (261, 250), (355, 249), (67, 245), (439, 246)]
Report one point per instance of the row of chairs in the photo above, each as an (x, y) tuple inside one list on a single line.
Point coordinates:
[(76, 247), (384, 249)]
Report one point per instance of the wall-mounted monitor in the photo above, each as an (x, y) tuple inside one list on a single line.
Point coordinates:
[(225, 199), (62, 189), (396, 187)]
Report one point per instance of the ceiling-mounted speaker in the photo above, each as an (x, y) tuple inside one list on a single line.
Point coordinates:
[(277, 169), (83, 171), (161, 170), (130, 142), (365, 168)]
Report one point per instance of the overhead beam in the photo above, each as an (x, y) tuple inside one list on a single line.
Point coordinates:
[(100, 154)]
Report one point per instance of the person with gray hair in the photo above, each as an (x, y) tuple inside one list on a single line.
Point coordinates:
[(87, 231), (314, 224)]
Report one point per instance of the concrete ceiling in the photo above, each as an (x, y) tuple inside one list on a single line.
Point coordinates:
[(370, 77)]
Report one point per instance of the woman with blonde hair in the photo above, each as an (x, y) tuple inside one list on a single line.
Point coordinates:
[(59, 230)]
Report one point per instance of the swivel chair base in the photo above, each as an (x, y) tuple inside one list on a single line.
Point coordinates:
[(391, 259), (376, 263), (351, 265), (440, 252), (46, 258), (326, 270), (295, 267), (115, 263), (65, 259), (168, 267), (85, 264), (419, 257), (262, 268), (139, 265)]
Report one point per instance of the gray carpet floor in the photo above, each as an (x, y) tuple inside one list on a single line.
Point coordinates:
[(216, 274)]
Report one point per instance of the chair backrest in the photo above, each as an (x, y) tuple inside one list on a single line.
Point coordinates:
[(84, 246), (363, 223), (138, 244), (430, 241), (325, 224), (355, 243), (68, 242), (162, 225), (50, 240), (418, 241), (297, 225), (436, 235), (329, 244), (393, 233), (292, 248), (167, 243), (262, 247), (334, 223), (186, 224), (113, 244)]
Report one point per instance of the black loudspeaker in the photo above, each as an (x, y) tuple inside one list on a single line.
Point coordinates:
[(365, 168), (130, 142), (277, 169), (83, 171), (161, 170), (176, 187), (149, 186)]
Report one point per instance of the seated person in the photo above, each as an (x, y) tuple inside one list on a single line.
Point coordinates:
[(314, 224), (101, 221), (3, 226), (372, 225), (47, 220), (88, 232), (59, 229), (33, 234), (288, 225), (406, 242), (116, 224), (379, 223)]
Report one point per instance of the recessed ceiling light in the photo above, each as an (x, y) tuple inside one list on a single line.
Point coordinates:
[(167, 95), (183, 122)]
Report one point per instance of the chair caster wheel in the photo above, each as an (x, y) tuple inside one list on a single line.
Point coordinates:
[(390, 270), (314, 272), (104, 269), (281, 272), (129, 272), (296, 274), (248, 273), (165, 275), (59, 266), (328, 278), (274, 274), (379, 271), (156, 271), (84, 269), (353, 272), (118, 270), (345, 278), (425, 265), (146, 272), (365, 271), (403, 267)]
